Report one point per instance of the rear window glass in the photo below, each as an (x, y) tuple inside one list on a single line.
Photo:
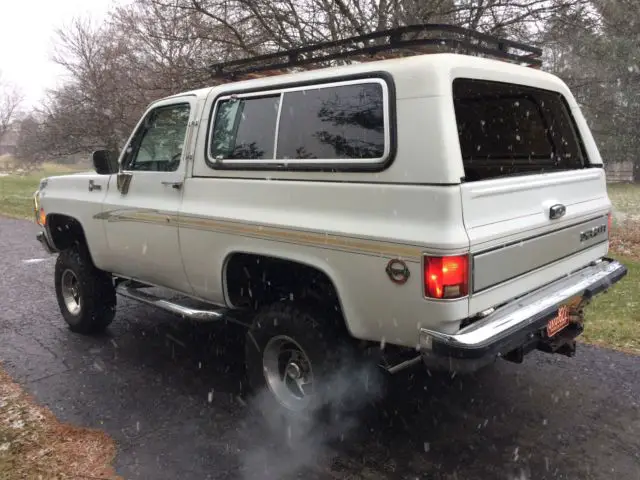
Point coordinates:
[(507, 129)]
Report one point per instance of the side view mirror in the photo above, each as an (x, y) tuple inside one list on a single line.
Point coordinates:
[(105, 162)]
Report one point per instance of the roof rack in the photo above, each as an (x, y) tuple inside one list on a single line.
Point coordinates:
[(436, 37)]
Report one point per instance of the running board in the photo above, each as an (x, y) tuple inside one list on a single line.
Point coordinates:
[(215, 314)]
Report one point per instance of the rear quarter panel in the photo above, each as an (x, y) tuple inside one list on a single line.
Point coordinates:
[(348, 231)]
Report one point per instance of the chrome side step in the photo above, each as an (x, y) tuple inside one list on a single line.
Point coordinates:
[(127, 290)]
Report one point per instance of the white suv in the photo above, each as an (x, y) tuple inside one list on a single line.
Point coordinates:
[(438, 208)]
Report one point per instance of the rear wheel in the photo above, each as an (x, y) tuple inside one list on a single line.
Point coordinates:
[(86, 295), (303, 366)]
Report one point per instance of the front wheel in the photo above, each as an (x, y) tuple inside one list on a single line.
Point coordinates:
[(86, 295)]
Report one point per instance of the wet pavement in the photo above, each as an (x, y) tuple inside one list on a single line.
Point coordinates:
[(171, 395)]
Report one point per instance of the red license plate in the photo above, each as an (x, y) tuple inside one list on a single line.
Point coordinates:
[(563, 319)]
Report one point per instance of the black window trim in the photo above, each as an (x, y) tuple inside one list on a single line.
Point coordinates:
[(322, 165)]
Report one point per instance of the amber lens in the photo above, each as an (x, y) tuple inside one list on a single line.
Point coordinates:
[(42, 217)]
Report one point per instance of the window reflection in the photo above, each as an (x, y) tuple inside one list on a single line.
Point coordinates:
[(341, 122), (332, 123), (158, 144), (245, 128)]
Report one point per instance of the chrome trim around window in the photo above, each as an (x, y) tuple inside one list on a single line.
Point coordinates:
[(274, 163)]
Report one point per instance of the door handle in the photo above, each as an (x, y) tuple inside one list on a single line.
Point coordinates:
[(175, 185), (93, 186)]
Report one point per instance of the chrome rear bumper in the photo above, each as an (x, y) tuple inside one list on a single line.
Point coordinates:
[(519, 321)]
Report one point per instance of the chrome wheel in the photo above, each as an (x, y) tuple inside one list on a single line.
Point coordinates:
[(288, 373), (70, 290)]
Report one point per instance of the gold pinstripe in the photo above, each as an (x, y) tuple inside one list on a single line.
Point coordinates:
[(265, 232)]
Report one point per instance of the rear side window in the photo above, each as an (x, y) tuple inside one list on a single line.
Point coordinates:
[(343, 122), (334, 124), (507, 129), (245, 128)]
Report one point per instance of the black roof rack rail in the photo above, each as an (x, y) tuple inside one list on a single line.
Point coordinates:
[(440, 37)]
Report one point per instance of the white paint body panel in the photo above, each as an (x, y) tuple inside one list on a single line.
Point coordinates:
[(70, 195), (142, 247), (410, 215), (147, 251), (418, 202)]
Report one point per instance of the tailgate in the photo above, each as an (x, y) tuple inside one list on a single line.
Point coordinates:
[(511, 231)]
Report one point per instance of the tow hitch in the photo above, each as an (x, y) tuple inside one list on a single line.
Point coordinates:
[(562, 343)]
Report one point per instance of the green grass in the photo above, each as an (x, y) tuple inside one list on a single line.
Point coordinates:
[(16, 191), (613, 319), (625, 197)]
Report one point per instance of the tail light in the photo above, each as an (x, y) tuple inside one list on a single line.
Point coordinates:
[(446, 277)]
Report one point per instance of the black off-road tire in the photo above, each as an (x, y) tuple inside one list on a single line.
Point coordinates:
[(95, 290), (345, 377)]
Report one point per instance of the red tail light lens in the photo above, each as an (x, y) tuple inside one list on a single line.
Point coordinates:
[(446, 277)]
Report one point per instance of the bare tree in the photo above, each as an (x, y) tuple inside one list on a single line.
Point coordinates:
[(256, 26), (597, 52), (10, 100), (29, 131), (101, 99), (114, 71), (152, 48)]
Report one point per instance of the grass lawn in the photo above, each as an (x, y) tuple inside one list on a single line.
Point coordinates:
[(613, 319), (16, 191), (625, 198)]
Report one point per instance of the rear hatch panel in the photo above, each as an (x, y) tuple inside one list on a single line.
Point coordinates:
[(524, 159), (510, 228)]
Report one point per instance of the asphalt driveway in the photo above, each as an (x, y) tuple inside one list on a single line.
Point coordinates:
[(171, 395)]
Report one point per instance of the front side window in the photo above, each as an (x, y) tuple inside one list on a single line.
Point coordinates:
[(157, 145), (334, 123)]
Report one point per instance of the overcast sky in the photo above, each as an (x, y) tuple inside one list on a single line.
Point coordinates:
[(27, 30)]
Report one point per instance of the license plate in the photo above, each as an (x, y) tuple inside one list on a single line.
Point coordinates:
[(563, 319)]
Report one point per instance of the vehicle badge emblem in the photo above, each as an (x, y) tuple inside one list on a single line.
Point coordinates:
[(398, 271)]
